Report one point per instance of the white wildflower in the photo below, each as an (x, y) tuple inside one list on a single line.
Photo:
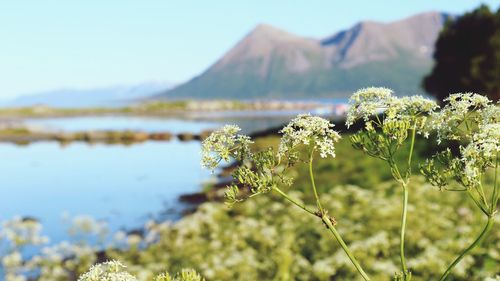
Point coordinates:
[(108, 271), (12, 260), (490, 114), (15, 277), (408, 107), (481, 152), (458, 110), (224, 144), (311, 131), (23, 231), (368, 102), (184, 275)]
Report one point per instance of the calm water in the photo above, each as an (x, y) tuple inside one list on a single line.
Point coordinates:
[(123, 185), (147, 124), (248, 121)]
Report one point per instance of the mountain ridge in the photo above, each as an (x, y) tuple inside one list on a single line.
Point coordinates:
[(106, 96), (272, 63)]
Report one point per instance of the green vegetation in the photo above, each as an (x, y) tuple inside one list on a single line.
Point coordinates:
[(402, 74), (354, 196), (266, 239), (388, 123), (115, 271), (467, 56), (154, 108)]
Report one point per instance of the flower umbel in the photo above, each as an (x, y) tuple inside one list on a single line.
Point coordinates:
[(310, 131), (107, 271), (367, 102), (184, 275), (224, 144), (460, 110)]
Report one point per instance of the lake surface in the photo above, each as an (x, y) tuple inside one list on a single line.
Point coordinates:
[(248, 121), (121, 123), (122, 185)]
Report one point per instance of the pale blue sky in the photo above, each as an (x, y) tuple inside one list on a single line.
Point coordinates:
[(81, 44)]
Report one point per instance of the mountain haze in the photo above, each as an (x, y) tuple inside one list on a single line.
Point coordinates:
[(92, 97), (273, 63)]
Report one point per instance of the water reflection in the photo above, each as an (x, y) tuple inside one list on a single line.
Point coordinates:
[(123, 185)]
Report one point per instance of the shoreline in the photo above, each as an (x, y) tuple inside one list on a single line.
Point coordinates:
[(182, 109), (23, 136)]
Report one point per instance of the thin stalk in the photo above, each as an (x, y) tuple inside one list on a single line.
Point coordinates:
[(332, 229), (339, 239), (403, 230), (483, 195), (412, 145), (494, 197), (478, 204), (293, 201), (474, 244), (313, 183), (404, 214)]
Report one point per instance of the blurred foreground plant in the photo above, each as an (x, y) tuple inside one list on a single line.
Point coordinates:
[(474, 122), (115, 271), (264, 171), (388, 123)]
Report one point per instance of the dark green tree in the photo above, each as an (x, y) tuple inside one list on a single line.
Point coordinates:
[(467, 56)]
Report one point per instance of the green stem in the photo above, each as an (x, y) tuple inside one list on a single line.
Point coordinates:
[(476, 201), (412, 145), (293, 201), (474, 244), (482, 195), (332, 229), (404, 214), (494, 197), (339, 239), (311, 175), (403, 230)]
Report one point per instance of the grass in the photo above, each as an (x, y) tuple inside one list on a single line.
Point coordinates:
[(153, 108)]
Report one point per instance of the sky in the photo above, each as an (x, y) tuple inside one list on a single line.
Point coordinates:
[(55, 44)]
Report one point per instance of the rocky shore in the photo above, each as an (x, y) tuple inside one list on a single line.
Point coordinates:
[(22, 136)]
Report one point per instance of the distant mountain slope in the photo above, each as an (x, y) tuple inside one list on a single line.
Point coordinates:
[(77, 98), (272, 63)]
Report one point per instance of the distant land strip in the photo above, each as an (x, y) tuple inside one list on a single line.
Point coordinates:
[(25, 137), (160, 108)]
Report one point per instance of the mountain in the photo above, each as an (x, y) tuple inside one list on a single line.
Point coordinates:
[(94, 97), (272, 63)]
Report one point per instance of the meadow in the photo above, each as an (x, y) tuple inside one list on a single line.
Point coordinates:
[(260, 234), (266, 239)]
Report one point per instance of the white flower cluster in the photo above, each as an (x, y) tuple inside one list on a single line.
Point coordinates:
[(458, 110), (224, 144), (23, 231), (369, 102), (12, 260), (107, 271), (405, 107), (473, 120), (309, 130), (83, 225), (481, 152), (184, 275)]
